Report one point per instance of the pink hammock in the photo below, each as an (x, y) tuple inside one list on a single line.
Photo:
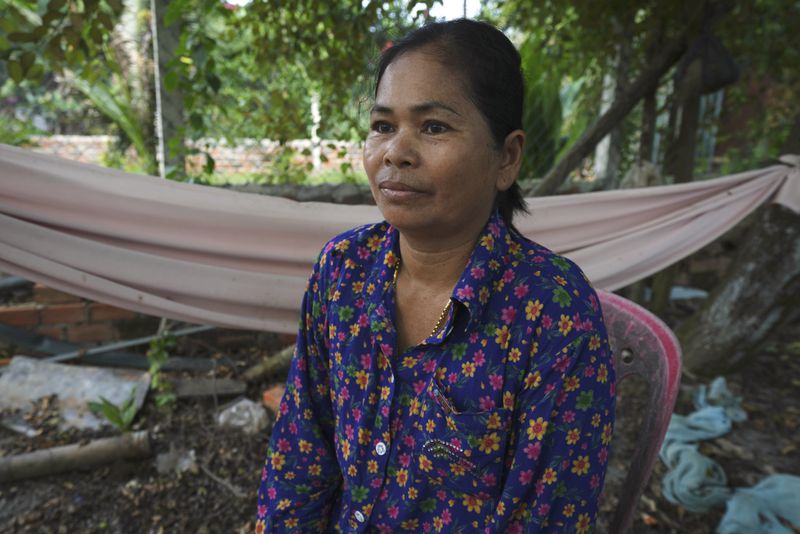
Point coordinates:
[(212, 256)]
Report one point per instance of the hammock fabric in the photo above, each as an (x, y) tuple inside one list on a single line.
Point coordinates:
[(212, 256)]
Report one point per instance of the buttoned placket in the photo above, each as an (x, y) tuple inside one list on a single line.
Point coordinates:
[(382, 447)]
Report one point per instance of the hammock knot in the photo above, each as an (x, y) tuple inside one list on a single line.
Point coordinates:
[(793, 160)]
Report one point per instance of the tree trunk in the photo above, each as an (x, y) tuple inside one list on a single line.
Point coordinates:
[(636, 291), (649, 117), (792, 143), (757, 296), (679, 162), (169, 108), (609, 151), (643, 85)]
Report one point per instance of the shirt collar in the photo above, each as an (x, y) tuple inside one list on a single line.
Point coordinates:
[(484, 268), (476, 283)]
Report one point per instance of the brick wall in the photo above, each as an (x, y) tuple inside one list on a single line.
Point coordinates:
[(249, 155), (68, 318)]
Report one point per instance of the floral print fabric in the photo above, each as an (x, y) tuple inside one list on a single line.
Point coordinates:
[(501, 422)]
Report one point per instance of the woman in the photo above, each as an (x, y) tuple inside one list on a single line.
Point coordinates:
[(450, 375)]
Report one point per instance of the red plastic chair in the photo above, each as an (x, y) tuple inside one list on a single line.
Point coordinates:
[(642, 345)]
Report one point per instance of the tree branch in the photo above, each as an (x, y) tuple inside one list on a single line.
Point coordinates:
[(644, 84)]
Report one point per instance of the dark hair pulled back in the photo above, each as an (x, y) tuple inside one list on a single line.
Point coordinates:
[(490, 66)]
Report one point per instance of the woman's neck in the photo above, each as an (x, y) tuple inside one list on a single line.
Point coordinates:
[(437, 269)]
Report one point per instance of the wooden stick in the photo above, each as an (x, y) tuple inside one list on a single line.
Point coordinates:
[(75, 456), (273, 365)]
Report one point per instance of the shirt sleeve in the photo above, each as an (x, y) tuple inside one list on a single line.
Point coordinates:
[(559, 440), (301, 476)]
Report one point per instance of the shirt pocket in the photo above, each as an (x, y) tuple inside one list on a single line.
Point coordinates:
[(462, 451)]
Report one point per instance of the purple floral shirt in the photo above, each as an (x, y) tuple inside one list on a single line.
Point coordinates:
[(500, 423)]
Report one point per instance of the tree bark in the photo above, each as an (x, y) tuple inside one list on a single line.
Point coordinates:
[(643, 85), (756, 297)]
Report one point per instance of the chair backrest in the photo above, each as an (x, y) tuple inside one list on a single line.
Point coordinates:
[(644, 345)]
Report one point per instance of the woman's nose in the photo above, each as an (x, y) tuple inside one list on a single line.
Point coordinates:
[(401, 151)]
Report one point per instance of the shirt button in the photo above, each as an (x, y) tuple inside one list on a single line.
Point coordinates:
[(360, 517), (380, 448)]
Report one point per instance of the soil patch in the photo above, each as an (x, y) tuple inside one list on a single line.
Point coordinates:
[(220, 495)]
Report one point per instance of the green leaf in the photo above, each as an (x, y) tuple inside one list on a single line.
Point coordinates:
[(175, 10), (22, 37), (15, 71), (171, 80), (163, 399), (23, 9), (96, 34), (56, 5), (72, 37), (214, 82), (196, 120), (77, 21), (106, 21), (210, 165), (118, 111), (26, 61), (36, 72)]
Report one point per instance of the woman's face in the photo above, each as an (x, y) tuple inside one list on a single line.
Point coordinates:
[(432, 164)]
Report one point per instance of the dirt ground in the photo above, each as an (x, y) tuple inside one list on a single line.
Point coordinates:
[(220, 495)]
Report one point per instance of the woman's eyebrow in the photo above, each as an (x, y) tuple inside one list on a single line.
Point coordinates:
[(418, 108)]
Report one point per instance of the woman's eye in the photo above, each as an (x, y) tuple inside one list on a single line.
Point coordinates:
[(381, 127), (435, 128)]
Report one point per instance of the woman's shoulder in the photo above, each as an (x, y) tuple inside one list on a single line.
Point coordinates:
[(546, 264), (358, 244), (561, 301)]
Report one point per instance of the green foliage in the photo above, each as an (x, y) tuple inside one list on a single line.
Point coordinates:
[(243, 72), (114, 100), (120, 416), (157, 355), (40, 37), (581, 40), (542, 117), (761, 36), (16, 132), (249, 71)]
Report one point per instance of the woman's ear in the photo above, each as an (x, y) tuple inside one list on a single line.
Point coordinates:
[(510, 159)]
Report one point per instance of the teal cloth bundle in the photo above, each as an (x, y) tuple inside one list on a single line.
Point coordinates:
[(698, 483)]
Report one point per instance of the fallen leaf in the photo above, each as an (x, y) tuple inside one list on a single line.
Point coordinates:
[(649, 520)]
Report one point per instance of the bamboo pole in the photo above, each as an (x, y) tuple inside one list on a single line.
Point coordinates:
[(76, 456)]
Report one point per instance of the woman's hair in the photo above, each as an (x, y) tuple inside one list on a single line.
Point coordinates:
[(493, 79)]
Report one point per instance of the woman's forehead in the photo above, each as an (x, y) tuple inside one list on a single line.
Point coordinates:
[(419, 79)]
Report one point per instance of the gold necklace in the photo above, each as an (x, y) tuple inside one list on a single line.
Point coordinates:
[(444, 313)]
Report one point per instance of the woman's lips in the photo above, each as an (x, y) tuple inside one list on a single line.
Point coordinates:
[(398, 191)]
